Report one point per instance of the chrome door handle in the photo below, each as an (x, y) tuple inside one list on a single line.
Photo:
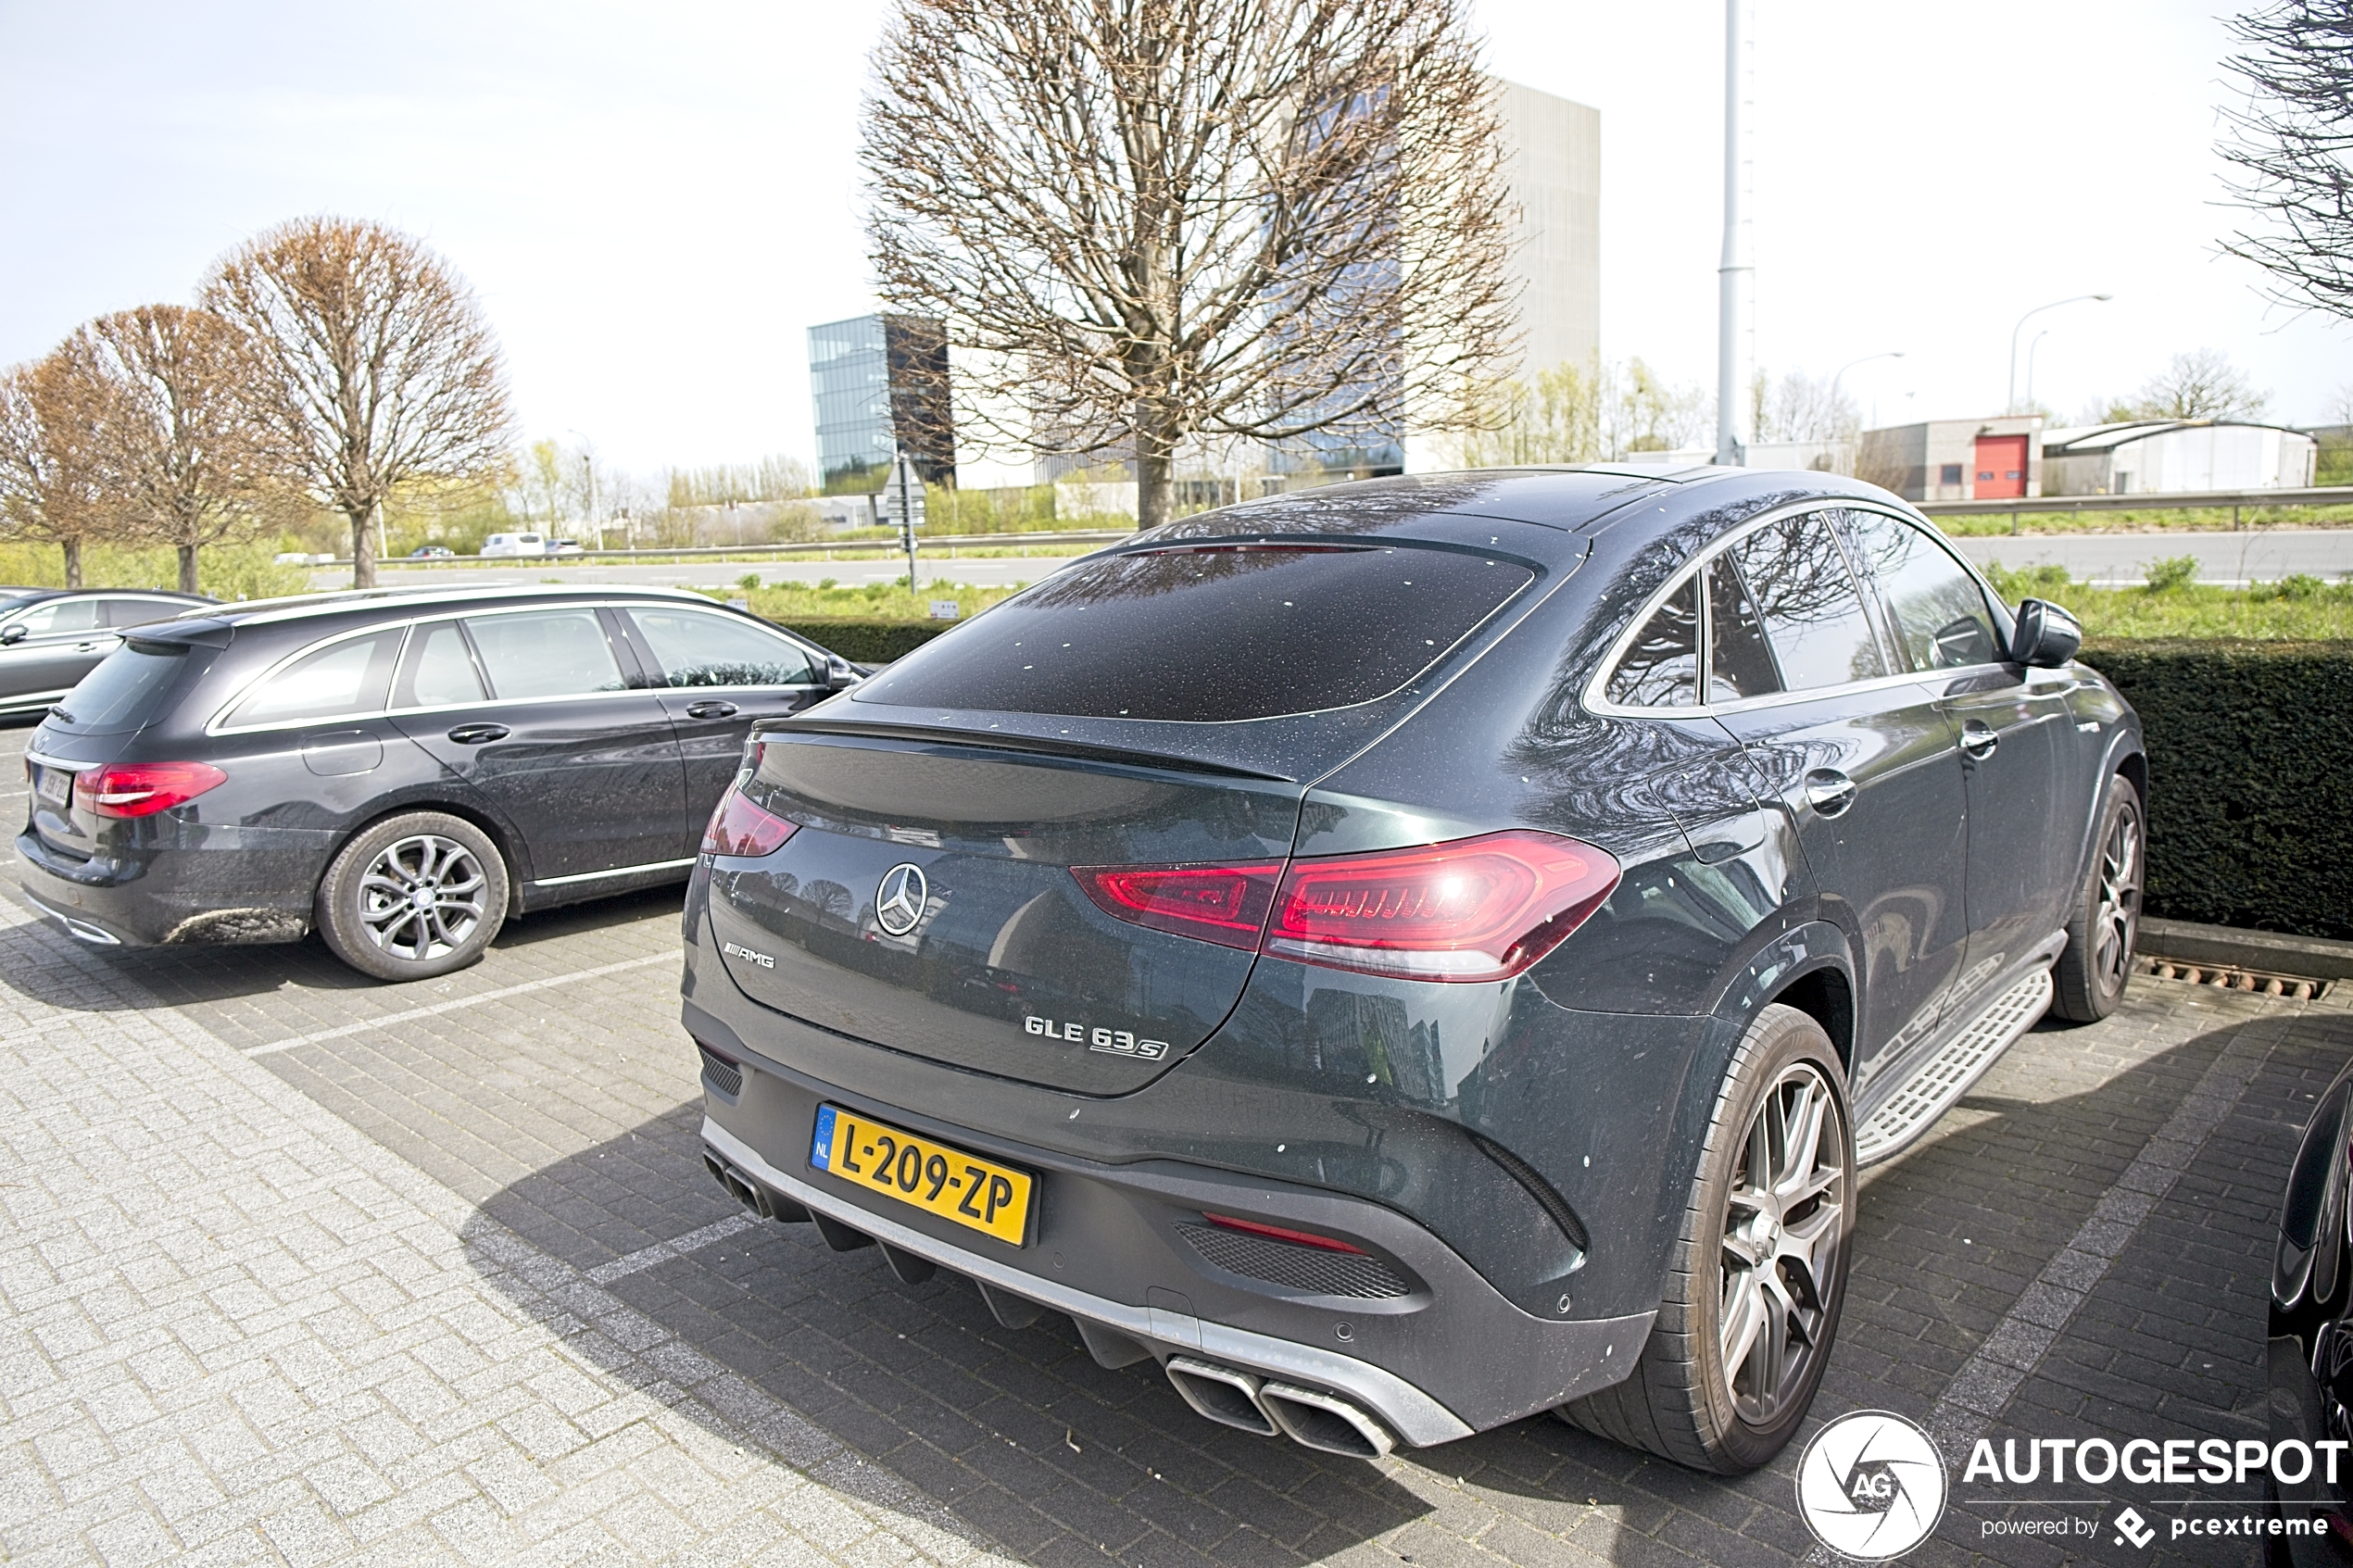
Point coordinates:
[(712, 709), (478, 734), (1978, 740), (1829, 792)]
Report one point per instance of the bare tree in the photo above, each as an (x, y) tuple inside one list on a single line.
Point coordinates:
[(2201, 385), (1151, 222), (2292, 147), (1803, 408), (155, 397), (47, 489), (377, 370)]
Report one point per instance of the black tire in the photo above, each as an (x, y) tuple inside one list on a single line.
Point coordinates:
[(413, 896), (1689, 1401), (2091, 974)]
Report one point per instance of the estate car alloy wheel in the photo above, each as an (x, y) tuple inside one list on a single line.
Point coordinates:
[(415, 896), (2090, 976), (1759, 1268)]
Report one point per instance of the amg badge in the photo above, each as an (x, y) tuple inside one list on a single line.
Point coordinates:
[(733, 951), (1112, 1042)]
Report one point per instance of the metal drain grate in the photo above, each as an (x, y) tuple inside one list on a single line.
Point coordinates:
[(2231, 977), (724, 1075), (1930, 1091), (1312, 1269)]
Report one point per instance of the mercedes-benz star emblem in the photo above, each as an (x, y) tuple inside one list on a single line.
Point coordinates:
[(898, 902)]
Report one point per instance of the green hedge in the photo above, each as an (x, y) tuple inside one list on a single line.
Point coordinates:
[(864, 640), (2250, 779)]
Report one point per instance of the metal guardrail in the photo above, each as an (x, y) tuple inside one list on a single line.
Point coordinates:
[(754, 552), (2318, 496)]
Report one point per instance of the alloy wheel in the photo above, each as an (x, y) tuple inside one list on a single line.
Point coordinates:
[(421, 896), (1784, 1225), (2119, 901)]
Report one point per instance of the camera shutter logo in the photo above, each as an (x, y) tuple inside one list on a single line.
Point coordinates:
[(898, 902), (1870, 1485)]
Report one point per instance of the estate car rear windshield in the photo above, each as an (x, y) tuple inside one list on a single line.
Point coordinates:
[(127, 687), (1212, 632)]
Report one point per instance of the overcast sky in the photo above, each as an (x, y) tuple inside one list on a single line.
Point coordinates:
[(655, 202)]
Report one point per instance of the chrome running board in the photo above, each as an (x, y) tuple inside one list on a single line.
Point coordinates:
[(1946, 1076)]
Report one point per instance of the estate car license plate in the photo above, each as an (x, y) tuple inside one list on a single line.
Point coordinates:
[(979, 1193), (54, 786)]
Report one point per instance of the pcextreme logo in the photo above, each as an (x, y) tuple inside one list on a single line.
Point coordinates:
[(1870, 1485)]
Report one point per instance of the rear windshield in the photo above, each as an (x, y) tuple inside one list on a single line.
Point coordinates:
[(1208, 634), (126, 689)]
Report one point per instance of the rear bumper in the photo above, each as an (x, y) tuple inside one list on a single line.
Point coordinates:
[(1446, 1356), (246, 893)]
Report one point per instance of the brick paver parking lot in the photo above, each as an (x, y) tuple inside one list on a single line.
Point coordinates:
[(295, 1268)]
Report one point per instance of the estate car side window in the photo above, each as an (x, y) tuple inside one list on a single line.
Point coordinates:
[(137, 612), (1806, 596), (546, 653), (439, 671), (701, 649), (341, 678), (1940, 618), (59, 617), (1662, 669)]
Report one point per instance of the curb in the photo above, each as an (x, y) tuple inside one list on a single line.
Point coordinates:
[(2315, 957)]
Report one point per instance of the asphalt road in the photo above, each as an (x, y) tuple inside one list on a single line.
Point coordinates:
[(2256, 554), (2111, 559)]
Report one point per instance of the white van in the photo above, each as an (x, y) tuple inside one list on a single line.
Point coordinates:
[(514, 545)]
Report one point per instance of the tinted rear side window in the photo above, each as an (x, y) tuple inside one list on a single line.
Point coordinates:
[(1798, 576), (1209, 634), (126, 689)]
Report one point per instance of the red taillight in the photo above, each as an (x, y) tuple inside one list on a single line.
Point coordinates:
[(1477, 908), (140, 789), (739, 827), (1300, 1238), (1222, 904)]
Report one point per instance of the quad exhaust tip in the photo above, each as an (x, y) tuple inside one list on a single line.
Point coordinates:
[(1236, 1398)]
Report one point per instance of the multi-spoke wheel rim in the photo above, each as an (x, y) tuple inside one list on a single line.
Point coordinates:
[(1783, 1230), (421, 898), (2119, 901)]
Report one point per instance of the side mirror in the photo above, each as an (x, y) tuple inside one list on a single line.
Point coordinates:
[(11, 637), (2046, 636), (840, 675)]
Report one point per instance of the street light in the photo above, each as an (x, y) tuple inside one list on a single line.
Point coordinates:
[(1884, 354), (2032, 344), (2010, 390), (589, 483)]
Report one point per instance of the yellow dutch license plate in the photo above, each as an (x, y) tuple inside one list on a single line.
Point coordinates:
[(979, 1193)]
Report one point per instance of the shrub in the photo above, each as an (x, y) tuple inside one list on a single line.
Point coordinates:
[(2046, 581), (2174, 572), (867, 640), (2250, 779)]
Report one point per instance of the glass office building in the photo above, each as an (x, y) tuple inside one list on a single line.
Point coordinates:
[(880, 382)]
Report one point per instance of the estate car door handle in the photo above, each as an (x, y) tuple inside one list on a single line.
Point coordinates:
[(1829, 791), (478, 735), (712, 709), (1978, 740)]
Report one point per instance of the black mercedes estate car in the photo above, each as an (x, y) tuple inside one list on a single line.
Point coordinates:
[(403, 769), (1418, 953)]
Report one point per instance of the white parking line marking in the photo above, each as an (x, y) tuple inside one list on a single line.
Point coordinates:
[(454, 1003), (663, 1251)]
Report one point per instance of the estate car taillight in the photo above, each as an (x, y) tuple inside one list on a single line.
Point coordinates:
[(739, 827), (142, 789), (1473, 908)]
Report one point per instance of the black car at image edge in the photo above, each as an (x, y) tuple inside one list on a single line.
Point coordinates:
[(403, 769), (1418, 953)]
